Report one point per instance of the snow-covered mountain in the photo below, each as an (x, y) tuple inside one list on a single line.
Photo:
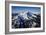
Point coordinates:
[(31, 19), (25, 15)]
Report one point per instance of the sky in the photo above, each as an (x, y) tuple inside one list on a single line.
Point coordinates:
[(22, 9)]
